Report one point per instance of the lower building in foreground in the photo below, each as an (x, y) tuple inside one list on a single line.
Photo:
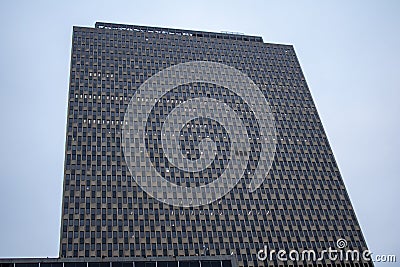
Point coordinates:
[(190, 148), (204, 261)]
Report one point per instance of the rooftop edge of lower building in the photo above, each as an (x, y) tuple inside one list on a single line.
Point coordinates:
[(116, 259)]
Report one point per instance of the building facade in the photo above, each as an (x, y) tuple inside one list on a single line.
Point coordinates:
[(302, 204)]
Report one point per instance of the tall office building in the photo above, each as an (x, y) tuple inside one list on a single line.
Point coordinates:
[(128, 194)]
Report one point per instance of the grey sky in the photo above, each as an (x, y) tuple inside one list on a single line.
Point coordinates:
[(349, 52)]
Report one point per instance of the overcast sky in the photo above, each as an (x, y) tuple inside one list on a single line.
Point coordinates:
[(348, 50)]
